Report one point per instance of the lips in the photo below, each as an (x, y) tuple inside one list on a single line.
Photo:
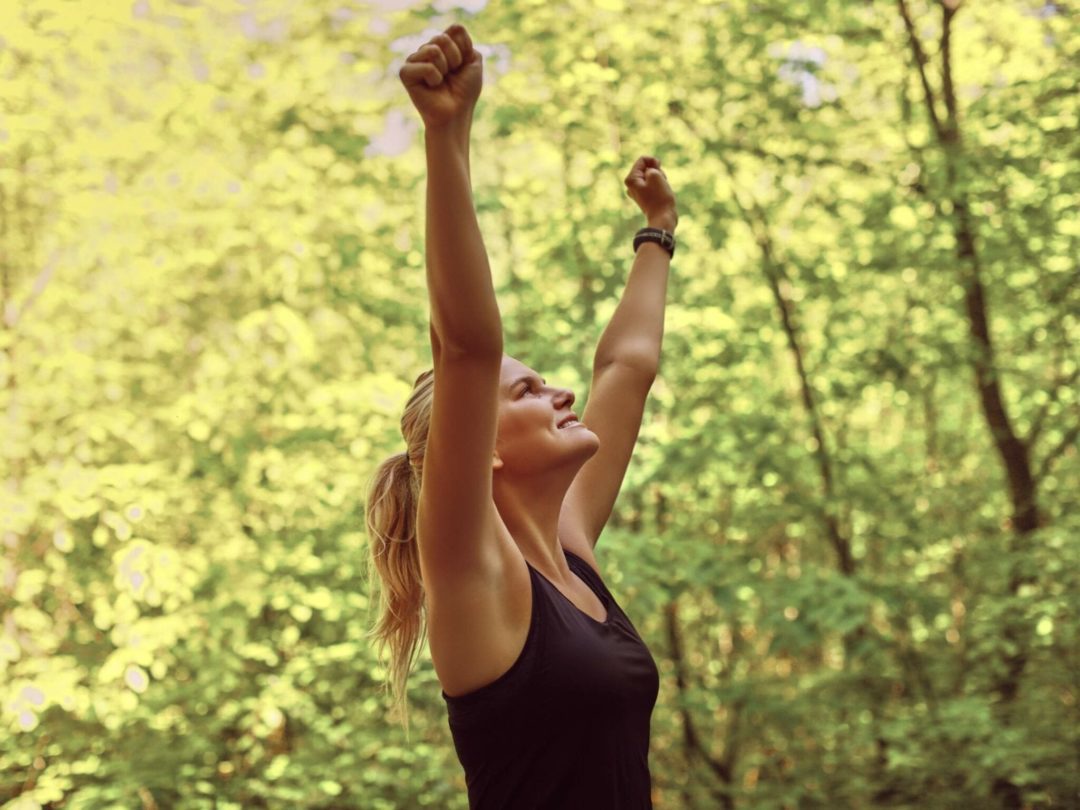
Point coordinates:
[(567, 418)]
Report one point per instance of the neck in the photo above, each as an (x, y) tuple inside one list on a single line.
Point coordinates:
[(530, 508)]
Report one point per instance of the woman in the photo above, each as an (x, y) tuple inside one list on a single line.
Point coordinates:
[(487, 522)]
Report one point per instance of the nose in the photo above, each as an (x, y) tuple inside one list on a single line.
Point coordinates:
[(565, 397)]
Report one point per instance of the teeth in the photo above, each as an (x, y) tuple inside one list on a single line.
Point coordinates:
[(568, 424)]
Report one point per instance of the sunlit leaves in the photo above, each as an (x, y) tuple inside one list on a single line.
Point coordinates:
[(212, 220)]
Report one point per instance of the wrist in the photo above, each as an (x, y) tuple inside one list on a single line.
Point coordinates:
[(667, 222), (663, 237), (452, 133)]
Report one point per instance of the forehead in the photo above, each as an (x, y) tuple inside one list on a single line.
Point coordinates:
[(514, 372), (513, 369)]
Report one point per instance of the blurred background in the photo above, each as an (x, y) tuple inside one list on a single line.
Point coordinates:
[(848, 533)]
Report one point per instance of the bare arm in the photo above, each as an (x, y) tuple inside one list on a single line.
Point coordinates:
[(636, 330), (444, 77), (465, 313)]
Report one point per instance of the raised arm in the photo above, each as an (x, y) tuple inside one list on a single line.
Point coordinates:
[(463, 557), (626, 363), (443, 78), (636, 330)]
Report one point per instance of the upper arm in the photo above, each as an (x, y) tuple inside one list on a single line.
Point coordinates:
[(456, 531), (613, 412)]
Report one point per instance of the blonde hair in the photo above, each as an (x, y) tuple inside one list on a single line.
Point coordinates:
[(392, 503)]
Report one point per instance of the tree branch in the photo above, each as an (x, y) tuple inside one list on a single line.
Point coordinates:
[(920, 63), (776, 278), (723, 769), (1040, 418), (947, 12), (1067, 441), (12, 313)]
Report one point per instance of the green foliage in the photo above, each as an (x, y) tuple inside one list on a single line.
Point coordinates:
[(214, 304)]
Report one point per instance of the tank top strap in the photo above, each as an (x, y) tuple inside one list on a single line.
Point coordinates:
[(586, 572)]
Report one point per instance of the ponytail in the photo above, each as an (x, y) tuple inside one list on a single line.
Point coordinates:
[(391, 514)]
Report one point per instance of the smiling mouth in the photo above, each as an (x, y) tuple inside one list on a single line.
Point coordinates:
[(570, 424)]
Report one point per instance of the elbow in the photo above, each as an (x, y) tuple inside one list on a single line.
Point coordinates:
[(471, 348), (645, 366), (641, 360), (477, 345)]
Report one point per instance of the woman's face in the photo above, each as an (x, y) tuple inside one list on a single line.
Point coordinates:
[(529, 439)]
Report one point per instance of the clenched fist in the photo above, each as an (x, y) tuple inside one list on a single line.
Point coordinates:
[(443, 77), (647, 185)]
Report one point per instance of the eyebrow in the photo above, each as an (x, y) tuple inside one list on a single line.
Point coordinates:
[(526, 378)]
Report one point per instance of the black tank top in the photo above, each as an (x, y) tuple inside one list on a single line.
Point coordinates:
[(567, 726)]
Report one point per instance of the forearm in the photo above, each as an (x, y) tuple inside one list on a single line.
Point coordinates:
[(464, 310), (636, 330)]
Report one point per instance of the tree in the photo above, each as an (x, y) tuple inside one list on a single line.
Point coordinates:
[(846, 531)]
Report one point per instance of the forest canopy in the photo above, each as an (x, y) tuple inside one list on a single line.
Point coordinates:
[(848, 531)]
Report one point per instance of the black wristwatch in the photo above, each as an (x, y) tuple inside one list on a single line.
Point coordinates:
[(665, 239)]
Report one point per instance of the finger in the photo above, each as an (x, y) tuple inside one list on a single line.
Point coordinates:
[(420, 73), (460, 36), (431, 52), (637, 173), (453, 53)]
